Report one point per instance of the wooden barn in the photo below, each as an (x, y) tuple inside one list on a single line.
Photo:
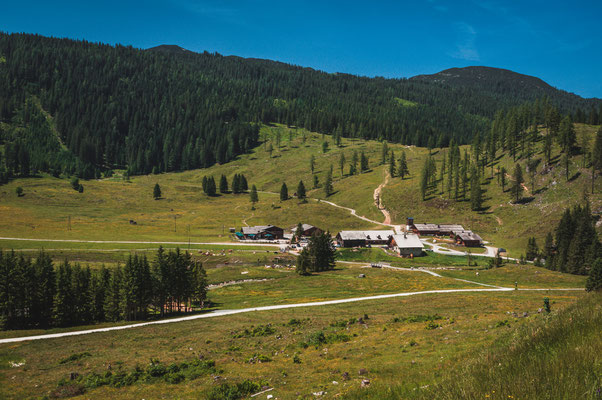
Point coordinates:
[(407, 244), (467, 238), (363, 238)]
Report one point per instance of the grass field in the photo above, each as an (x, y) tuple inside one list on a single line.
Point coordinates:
[(385, 349)]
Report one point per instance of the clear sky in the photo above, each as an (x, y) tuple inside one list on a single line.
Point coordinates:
[(558, 41)]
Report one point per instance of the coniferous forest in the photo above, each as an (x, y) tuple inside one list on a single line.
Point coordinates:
[(84, 108), (35, 293)]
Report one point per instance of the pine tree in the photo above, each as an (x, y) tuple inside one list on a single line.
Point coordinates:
[(312, 163), (316, 181), (244, 186), (301, 192), (199, 290), (353, 166), (270, 149), (236, 184), (403, 170), (157, 191), (566, 138), (502, 175), (113, 297), (476, 194), (424, 180), (63, 311), (363, 162), (253, 197), (597, 156), (223, 184), (516, 190), (384, 152), (303, 262), (532, 250), (283, 192), (594, 280), (324, 146), (392, 167), (342, 163), (328, 189)]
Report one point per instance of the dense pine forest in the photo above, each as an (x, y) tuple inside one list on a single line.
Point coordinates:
[(34, 293), (93, 107)]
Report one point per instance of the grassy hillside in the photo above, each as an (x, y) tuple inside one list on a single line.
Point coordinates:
[(103, 211), (555, 356), (502, 223)]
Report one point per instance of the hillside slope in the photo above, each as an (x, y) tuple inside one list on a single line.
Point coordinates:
[(502, 83)]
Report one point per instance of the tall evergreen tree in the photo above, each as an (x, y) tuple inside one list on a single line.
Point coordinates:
[(223, 184), (516, 189), (301, 191), (328, 189), (253, 196), (283, 192), (157, 191), (403, 170)]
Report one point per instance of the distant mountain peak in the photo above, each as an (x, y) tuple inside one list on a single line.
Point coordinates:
[(169, 48)]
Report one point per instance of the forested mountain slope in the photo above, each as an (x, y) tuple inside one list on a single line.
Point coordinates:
[(169, 109), (504, 84)]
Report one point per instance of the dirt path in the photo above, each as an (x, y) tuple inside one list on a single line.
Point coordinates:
[(378, 200)]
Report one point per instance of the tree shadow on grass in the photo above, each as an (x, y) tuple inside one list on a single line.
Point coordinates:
[(525, 200), (577, 175)]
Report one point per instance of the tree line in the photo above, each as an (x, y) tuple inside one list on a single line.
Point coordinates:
[(151, 110), (36, 293)]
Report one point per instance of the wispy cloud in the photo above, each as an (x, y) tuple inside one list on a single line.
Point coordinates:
[(465, 46)]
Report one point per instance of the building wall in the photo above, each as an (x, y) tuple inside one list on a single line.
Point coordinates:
[(415, 251)]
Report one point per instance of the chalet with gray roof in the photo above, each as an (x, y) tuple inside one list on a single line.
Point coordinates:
[(363, 238), (406, 244)]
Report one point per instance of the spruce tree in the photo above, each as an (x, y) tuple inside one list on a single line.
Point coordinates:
[(476, 194), (63, 310), (157, 191), (328, 189), (283, 192), (342, 163), (392, 167), (223, 184), (253, 196), (301, 192), (594, 280), (364, 162), (516, 190), (312, 163), (403, 170)]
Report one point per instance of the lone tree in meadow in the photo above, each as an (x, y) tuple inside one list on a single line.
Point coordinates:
[(19, 191), (312, 163), (328, 189), (157, 191), (516, 190), (319, 255), (301, 195), (283, 192), (254, 198)]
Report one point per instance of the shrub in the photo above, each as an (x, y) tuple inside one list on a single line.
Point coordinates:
[(431, 325)]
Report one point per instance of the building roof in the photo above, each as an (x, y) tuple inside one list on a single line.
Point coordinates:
[(426, 227), (254, 230), (451, 227), (365, 235), (408, 241), (468, 235), (305, 227)]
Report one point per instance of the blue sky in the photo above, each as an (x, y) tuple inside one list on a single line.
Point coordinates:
[(558, 41)]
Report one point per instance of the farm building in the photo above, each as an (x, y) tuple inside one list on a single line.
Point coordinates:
[(432, 229), (308, 230), (407, 244), (363, 238), (261, 232), (467, 238)]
